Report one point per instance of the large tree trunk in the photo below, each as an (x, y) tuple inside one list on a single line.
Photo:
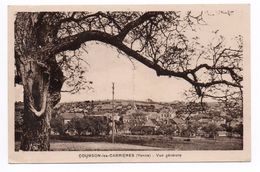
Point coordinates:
[(36, 131), (37, 107), (42, 87), (41, 78)]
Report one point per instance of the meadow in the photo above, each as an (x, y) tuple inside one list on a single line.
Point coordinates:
[(141, 142)]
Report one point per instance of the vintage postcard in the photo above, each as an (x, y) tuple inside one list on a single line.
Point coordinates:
[(149, 83)]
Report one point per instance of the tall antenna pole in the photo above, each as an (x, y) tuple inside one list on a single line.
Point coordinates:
[(134, 88), (113, 115)]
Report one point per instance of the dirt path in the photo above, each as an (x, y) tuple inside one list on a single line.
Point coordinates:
[(90, 146)]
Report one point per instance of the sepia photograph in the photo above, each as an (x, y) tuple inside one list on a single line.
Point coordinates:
[(138, 83)]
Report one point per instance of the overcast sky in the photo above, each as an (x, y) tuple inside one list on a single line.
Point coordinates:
[(142, 83)]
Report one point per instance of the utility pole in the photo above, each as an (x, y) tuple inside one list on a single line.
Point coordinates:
[(113, 113)]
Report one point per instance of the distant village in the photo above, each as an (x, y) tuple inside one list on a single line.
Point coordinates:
[(149, 117)]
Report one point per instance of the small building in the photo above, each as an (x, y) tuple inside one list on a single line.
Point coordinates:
[(223, 134), (106, 108), (237, 135), (219, 121), (167, 113), (177, 121), (142, 130), (201, 133), (71, 132), (67, 116), (126, 118), (153, 115), (151, 123)]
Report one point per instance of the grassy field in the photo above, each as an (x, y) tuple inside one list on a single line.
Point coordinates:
[(73, 143), (98, 146)]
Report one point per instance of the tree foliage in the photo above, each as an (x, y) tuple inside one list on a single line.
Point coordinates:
[(239, 129), (211, 129), (137, 119), (156, 39), (167, 129), (93, 125), (57, 124)]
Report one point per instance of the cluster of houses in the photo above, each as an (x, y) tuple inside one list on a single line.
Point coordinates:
[(153, 116)]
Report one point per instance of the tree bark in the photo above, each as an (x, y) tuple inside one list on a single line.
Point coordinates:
[(41, 79), (37, 107), (42, 87), (36, 131)]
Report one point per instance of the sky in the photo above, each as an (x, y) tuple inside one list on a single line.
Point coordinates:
[(138, 82)]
